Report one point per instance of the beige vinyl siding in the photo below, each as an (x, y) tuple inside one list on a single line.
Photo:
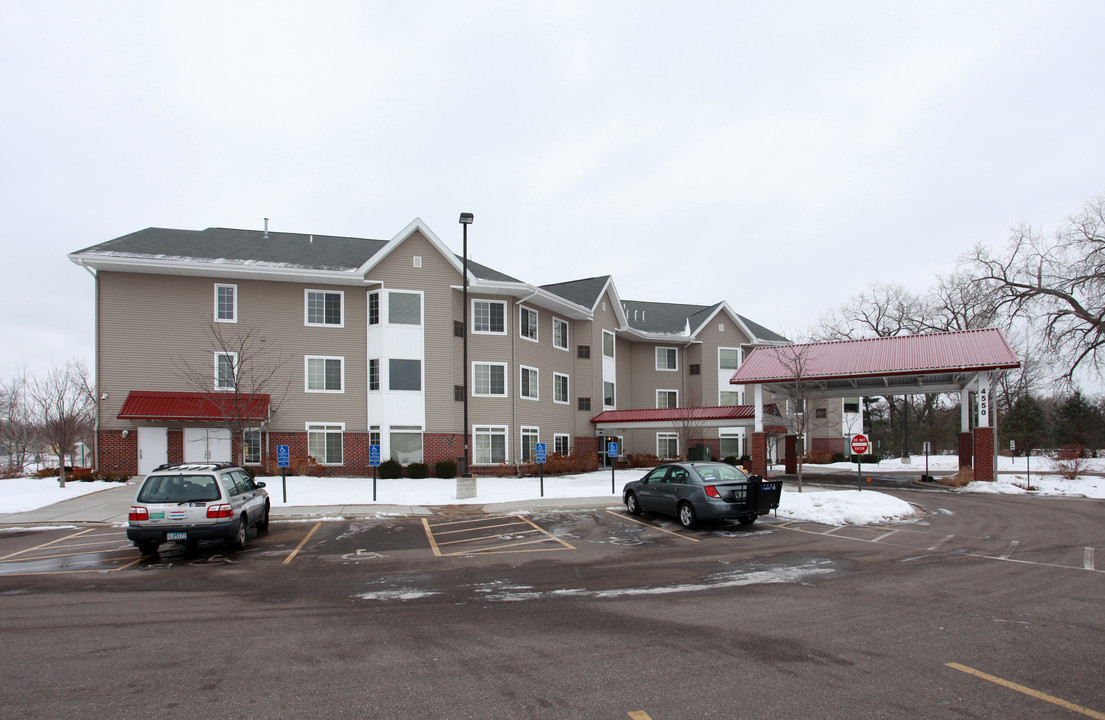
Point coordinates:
[(543, 413), (143, 349)]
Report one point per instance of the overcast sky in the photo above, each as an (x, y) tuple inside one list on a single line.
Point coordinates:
[(781, 156)]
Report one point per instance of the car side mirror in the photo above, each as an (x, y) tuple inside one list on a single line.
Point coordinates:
[(260, 483)]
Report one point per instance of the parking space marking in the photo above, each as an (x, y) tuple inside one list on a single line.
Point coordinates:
[(1009, 550), (1087, 558), (434, 531), (1028, 691), (639, 715), (938, 543), (654, 527), (291, 556), (59, 549), (52, 542)]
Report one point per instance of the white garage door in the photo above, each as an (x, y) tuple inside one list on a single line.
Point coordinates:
[(207, 445)]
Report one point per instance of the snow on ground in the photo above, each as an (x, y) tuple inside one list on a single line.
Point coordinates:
[(823, 506)]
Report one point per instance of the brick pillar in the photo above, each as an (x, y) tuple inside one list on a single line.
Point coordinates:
[(757, 445), (966, 450), (984, 454), (791, 459)]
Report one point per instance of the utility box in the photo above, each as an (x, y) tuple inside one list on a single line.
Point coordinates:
[(699, 452)]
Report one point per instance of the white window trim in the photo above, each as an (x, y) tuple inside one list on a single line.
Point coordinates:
[(326, 427), (567, 334), (234, 369), (379, 374), (568, 393), (503, 430), (421, 376), (535, 386), (307, 373), (557, 436), (666, 369), (615, 403), (260, 445), (740, 358), (665, 390), (738, 393), (667, 436), (522, 310), (306, 296), (235, 289), (379, 308), (506, 380), (472, 310), (522, 432), (421, 309), (613, 345)]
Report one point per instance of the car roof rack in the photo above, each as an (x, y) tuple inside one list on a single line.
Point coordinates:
[(194, 466)]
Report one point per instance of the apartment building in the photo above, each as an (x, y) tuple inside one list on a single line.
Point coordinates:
[(222, 344)]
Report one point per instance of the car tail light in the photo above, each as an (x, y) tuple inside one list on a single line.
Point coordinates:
[(712, 492), (138, 514), (220, 511)]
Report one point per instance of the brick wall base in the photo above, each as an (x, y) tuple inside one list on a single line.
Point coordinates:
[(757, 447), (966, 450), (984, 454)]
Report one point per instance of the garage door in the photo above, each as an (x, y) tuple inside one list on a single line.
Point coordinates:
[(207, 445)]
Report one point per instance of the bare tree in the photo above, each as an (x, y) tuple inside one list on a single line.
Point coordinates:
[(881, 311), (795, 406), (1057, 280), (239, 363), (17, 426), (65, 406), (688, 424)]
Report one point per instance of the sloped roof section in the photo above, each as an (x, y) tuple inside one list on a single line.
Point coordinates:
[(485, 273), (763, 333), (908, 355), (584, 292), (726, 412), (149, 405), (658, 317)]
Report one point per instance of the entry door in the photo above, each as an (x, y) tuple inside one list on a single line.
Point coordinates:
[(206, 445), (153, 448)]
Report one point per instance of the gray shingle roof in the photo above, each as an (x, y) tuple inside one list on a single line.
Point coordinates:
[(581, 292), (485, 273)]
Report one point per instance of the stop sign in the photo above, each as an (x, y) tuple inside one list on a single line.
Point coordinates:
[(860, 445)]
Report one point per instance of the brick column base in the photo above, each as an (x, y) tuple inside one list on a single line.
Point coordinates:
[(791, 459), (966, 450), (984, 454), (757, 446)]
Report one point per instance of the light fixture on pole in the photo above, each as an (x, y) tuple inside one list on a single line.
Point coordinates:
[(465, 220)]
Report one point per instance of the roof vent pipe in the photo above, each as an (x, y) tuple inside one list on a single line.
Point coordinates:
[(310, 239), (266, 227)]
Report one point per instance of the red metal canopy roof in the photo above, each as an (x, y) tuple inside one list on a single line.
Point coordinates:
[(142, 405), (710, 416), (964, 351)]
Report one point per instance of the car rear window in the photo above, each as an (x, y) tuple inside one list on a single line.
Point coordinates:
[(721, 473), (179, 489)]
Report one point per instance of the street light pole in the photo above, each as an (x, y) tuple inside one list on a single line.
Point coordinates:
[(465, 220)]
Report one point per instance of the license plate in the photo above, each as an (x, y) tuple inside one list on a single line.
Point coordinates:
[(176, 536)]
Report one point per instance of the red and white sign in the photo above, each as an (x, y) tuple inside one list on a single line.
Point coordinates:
[(860, 445)]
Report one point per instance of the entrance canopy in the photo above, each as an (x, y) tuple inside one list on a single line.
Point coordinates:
[(165, 406), (906, 365), (610, 421)]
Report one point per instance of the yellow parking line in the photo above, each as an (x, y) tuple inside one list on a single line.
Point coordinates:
[(301, 544), (52, 542), (639, 715), (650, 525), (430, 537), (554, 537), (1028, 691), (483, 537), (480, 527)]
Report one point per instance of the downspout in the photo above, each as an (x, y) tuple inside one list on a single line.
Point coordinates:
[(518, 387), (95, 363)]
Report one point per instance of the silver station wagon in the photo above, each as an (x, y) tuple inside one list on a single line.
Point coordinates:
[(693, 491), (190, 502)]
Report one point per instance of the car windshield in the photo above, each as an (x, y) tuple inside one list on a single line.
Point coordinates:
[(721, 473), (179, 489)]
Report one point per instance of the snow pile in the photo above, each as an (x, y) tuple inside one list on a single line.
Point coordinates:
[(23, 494), (843, 507)]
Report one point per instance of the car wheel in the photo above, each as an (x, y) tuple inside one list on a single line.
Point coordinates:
[(263, 525), (632, 505), (687, 516), (148, 548), (239, 541), (747, 519)]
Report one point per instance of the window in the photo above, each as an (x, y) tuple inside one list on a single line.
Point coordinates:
[(667, 358), (560, 388), (607, 344), (374, 308), (226, 370), (251, 447), (729, 398), (489, 444), (583, 352), (729, 358), (608, 396), (406, 444), (324, 443), (404, 308), (458, 393), (559, 334), (562, 444), (821, 413), (530, 437), (694, 369), (667, 445), (325, 374), (527, 323), (324, 308), (667, 399), (488, 317), (731, 446), (226, 303), (458, 328), (374, 435), (404, 374), (374, 373), (489, 379), (584, 404), (851, 405), (529, 383)]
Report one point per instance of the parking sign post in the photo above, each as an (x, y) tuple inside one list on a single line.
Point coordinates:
[(283, 460), (612, 455), (540, 453), (374, 461), (860, 446)]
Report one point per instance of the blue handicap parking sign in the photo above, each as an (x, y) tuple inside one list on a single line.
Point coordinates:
[(374, 456), (612, 449), (283, 456), (540, 452)]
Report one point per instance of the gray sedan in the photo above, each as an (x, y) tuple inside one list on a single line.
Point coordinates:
[(702, 491)]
